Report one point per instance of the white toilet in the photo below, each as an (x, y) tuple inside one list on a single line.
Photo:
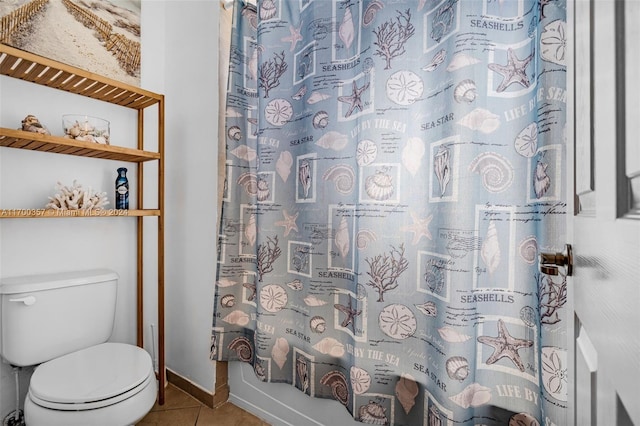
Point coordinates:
[(62, 322)]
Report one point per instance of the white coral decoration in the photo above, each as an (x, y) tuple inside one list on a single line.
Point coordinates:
[(76, 198)]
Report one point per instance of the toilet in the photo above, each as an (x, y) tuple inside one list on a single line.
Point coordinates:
[(62, 323)]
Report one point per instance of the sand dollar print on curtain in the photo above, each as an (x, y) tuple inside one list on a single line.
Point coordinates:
[(393, 169)]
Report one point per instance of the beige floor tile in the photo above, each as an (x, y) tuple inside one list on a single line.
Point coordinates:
[(174, 417), (181, 409), (176, 398), (227, 415)]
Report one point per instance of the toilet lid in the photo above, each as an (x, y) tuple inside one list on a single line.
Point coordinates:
[(93, 375)]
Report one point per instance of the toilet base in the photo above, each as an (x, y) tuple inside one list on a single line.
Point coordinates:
[(124, 413)]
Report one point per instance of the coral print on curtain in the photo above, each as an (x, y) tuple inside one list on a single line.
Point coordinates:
[(393, 169)]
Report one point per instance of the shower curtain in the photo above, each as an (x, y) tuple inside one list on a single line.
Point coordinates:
[(393, 169)]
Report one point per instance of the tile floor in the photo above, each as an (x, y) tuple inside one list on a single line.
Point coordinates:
[(181, 409)]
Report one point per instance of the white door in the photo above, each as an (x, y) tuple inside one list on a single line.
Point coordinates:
[(606, 225)]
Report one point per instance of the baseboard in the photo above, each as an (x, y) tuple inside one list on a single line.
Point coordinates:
[(187, 386)]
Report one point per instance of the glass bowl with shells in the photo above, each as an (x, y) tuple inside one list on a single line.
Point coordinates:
[(86, 128)]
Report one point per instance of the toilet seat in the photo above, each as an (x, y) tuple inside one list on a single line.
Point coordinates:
[(91, 378)]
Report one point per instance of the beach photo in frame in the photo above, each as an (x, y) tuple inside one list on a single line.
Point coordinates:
[(102, 37)]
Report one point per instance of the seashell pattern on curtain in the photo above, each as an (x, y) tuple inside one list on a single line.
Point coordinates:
[(393, 169)]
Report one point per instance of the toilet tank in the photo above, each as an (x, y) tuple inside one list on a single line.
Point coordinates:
[(46, 316)]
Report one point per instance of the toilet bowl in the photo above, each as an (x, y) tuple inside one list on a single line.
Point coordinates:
[(108, 384), (61, 323)]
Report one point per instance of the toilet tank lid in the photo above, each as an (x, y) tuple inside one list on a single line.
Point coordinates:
[(31, 283)]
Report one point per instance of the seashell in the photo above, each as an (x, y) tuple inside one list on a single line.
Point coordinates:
[(237, 318), (412, 155), (273, 298), (330, 346), (284, 164), (461, 60), (300, 93), (496, 171), (404, 87), (360, 380), (263, 193), (361, 292), (373, 414), (250, 13), (338, 384), (490, 250), (341, 239), (541, 180), (428, 308), (434, 278), (346, 31), (406, 392), (437, 59), (280, 351), (434, 416), (243, 348), (267, 9), (397, 321), (249, 181), (554, 372), (366, 152), (228, 301), (320, 120), (526, 143), (442, 168), (523, 419), (251, 230), (318, 324), (482, 120), (226, 282), (442, 21), (295, 285), (278, 112), (244, 152), (302, 370), (232, 113), (473, 395), (465, 91), (379, 186), (364, 237), (317, 97), (333, 140), (314, 301), (342, 176), (457, 368), (31, 124), (304, 176), (370, 12), (260, 371), (528, 249), (553, 43), (450, 335), (234, 133)]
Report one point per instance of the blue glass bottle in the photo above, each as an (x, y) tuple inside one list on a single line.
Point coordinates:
[(122, 189)]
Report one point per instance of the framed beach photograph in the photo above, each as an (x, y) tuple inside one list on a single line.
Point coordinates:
[(102, 37)]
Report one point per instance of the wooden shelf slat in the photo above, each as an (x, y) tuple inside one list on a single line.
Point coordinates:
[(49, 213), (28, 66), (46, 143)]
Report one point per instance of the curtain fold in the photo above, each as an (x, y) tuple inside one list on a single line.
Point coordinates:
[(393, 169)]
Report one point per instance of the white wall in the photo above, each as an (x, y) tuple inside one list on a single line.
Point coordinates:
[(191, 73), (179, 41)]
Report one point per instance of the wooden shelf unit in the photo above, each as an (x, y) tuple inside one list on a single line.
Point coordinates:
[(46, 72)]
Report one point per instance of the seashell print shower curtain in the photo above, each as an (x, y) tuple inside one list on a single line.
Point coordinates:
[(393, 169)]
